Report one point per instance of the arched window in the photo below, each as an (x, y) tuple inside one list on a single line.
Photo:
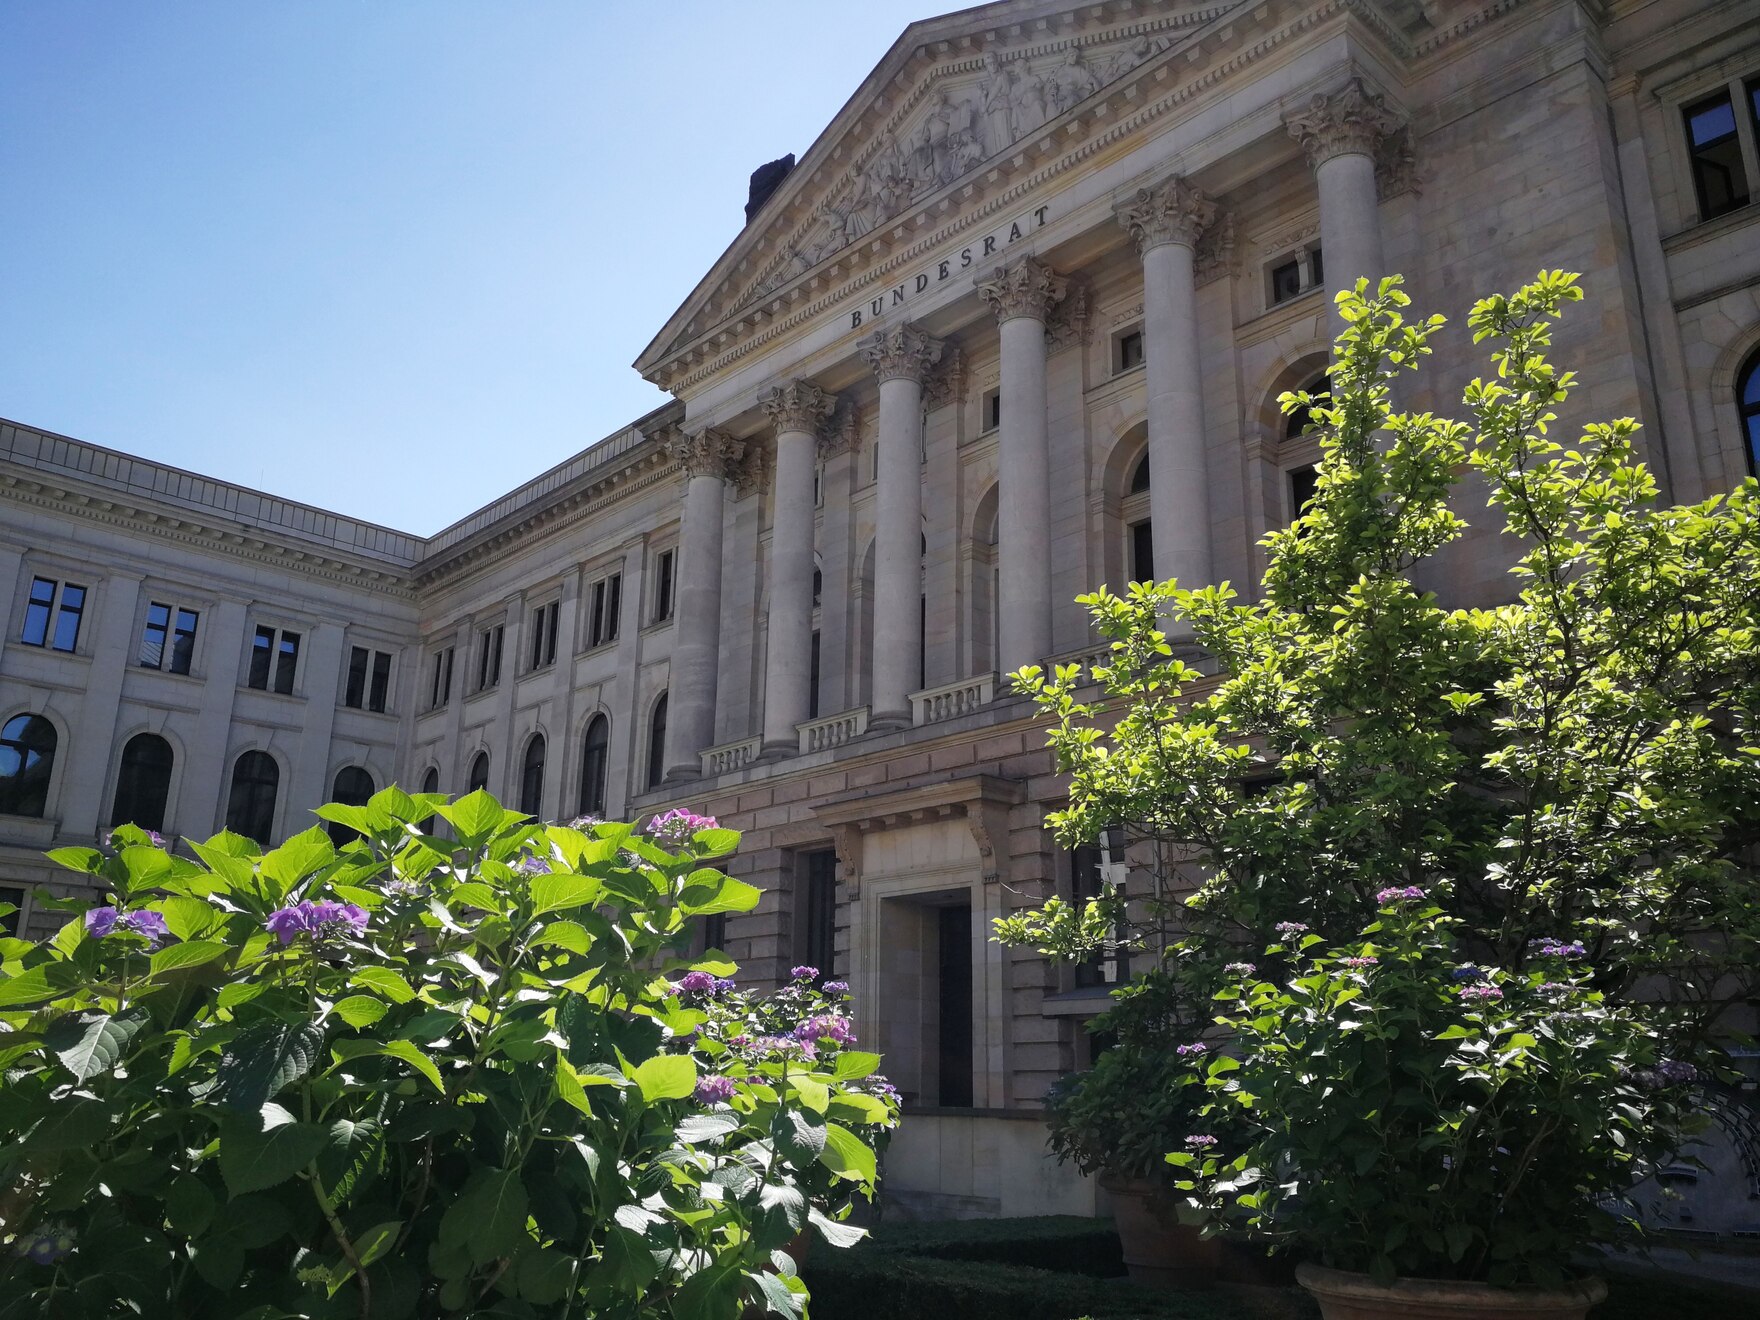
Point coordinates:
[(1302, 420), (143, 782), (1139, 528), (250, 806), (595, 762), (531, 777), (353, 787), (431, 780), (1140, 476), (1748, 400), (479, 776), (657, 743), (27, 759)]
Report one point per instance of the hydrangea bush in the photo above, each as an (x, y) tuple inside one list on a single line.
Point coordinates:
[(1409, 1114), (416, 1076)]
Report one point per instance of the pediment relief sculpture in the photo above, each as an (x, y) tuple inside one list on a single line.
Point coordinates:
[(965, 121)]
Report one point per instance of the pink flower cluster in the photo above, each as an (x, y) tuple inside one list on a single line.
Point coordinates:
[(714, 1089), (1358, 963), (1398, 895), (826, 1026), (1196, 1047), (1479, 994), (678, 827)]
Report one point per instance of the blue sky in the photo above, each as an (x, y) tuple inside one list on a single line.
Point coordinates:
[(389, 257)]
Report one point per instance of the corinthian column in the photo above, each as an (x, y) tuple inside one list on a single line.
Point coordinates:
[(708, 457), (1022, 295), (1341, 133), (900, 357), (796, 410), (1167, 223)]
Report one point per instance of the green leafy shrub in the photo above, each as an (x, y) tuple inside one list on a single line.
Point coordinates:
[(1409, 1114), (419, 1076)]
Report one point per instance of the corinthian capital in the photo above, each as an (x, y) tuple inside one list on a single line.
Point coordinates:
[(1024, 289), (799, 405), (1351, 120), (706, 453), (1175, 212), (901, 353)]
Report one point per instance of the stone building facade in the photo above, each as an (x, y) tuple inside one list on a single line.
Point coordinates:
[(1014, 325)]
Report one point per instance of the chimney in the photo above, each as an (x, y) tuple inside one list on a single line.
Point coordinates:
[(766, 179)]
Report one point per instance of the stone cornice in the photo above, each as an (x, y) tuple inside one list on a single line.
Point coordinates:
[(214, 534), (1224, 42)]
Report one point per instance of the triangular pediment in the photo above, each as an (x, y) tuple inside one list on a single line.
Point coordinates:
[(953, 96)]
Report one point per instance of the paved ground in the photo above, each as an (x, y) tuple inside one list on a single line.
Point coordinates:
[(1741, 1268)]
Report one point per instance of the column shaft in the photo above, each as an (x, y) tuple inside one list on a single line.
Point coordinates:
[(1024, 496), (788, 651), (696, 630), (898, 552), (1350, 221), (1179, 486)]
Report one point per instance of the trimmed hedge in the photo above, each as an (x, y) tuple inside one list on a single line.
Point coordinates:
[(1068, 1244), (870, 1284)]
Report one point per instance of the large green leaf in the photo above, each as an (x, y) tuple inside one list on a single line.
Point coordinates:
[(191, 954), (846, 1155), (251, 1161), (294, 860), (488, 1220), (475, 816), (360, 1010), (853, 1064), (260, 1063), (735, 896), (384, 981), (92, 1043), (543, 1276), (558, 893), (45, 981), (666, 1076)]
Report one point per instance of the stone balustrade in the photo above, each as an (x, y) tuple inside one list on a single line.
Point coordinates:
[(951, 700), (730, 756), (830, 731)]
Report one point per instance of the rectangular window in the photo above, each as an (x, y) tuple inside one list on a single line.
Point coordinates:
[(52, 615), (1316, 269), (663, 585), (273, 653), (11, 896), (1096, 869), (489, 656), (369, 680), (440, 679), (813, 680), (816, 910), (607, 604), (1286, 281), (544, 624), (1304, 484), (1716, 150), (168, 640), (992, 410), (1143, 551), (1127, 351)]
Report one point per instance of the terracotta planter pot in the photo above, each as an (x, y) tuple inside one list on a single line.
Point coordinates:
[(1158, 1249), (1346, 1296)]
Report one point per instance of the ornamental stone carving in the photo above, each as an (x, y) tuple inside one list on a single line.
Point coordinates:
[(947, 382), (840, 432), (1351, 120), (1024, 288), (1069, 323), (901, 353), (706, 453), (799, 405), (1175, 212)]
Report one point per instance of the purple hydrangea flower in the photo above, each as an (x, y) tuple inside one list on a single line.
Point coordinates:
[(1547, 947), (1468, 972), (714, 1089), (102, 922), (1479, 994), (1290, 929), (1196, 1047), (740, 1040), (1360, 962), (678, 827), (1556, 987), (786, 1046), (1677, 1070), (534, 865), (323, 920), (1240, 968), (696, 983), (725, 985), (586, 822), (153, 836), (1398, 894), (836, 987), (46, 1247), (826, 1026), (1200, 1141), (804, 973)]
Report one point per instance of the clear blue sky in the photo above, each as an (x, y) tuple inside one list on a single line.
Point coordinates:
[(391, 257)]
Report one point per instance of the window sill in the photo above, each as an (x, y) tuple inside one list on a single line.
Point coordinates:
[(375, 714), (36, 832), (32, 648), (198, 679), (601, 648), (1133, 369), (271, 692), (1706, 231)]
